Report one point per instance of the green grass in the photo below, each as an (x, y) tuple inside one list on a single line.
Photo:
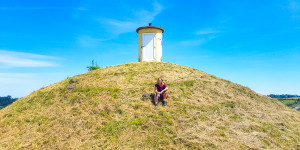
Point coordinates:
[(289, 101), (106, 110)]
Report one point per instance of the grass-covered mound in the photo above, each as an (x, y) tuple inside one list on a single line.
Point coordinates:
[(106, 110)]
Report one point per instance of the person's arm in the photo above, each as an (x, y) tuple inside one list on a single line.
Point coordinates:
[(155, 90), (166, 89)]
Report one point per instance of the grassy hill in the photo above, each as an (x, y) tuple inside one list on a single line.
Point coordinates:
[(106, 110)]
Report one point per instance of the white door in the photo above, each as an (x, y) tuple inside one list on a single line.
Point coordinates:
[(148, 47)]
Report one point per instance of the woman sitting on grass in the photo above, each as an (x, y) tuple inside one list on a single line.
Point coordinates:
[(161, 91)]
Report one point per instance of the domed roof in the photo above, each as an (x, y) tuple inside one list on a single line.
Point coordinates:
[(150, 26)]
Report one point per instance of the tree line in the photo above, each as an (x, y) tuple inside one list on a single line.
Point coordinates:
[(6, 100), (283, 96)]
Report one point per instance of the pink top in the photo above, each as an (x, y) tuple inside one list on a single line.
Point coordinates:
[(159, 89)]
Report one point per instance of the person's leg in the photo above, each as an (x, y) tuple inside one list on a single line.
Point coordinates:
[(165, 95), (156, 98)]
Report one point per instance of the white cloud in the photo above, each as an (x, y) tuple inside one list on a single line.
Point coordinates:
[(82, 9), (87, 41), (206, 35), (40, 8), (16, 74), (9, 59), (21, 84), (145, 16), (115, 27), (15, 78), (140, 18), (294, 6), (195, 42), (294, 9), (206, 31), (24, 78)]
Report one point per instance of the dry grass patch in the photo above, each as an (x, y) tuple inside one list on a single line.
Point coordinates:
[(106, 110)]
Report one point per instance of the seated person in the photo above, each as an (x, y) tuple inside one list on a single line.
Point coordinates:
[(161, 91)]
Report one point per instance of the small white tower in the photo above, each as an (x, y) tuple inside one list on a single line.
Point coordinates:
[(150, 43)]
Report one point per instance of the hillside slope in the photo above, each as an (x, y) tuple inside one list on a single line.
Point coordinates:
[(106, 110)]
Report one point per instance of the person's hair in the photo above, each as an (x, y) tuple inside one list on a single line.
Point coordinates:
[(161, 80)]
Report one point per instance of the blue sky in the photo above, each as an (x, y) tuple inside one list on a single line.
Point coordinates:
[(252, 43)]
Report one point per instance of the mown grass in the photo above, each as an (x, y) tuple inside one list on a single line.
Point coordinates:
[(106, 110)]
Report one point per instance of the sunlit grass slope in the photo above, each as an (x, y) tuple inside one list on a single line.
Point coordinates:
[(106, 110)]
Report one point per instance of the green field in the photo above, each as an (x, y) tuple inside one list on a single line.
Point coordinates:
[(289, 101)]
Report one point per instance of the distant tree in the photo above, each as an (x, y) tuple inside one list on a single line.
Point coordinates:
[(282, 96), (93, 67), (6, 100)]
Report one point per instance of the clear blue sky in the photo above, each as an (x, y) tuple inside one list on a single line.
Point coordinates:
[(252, 43)]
